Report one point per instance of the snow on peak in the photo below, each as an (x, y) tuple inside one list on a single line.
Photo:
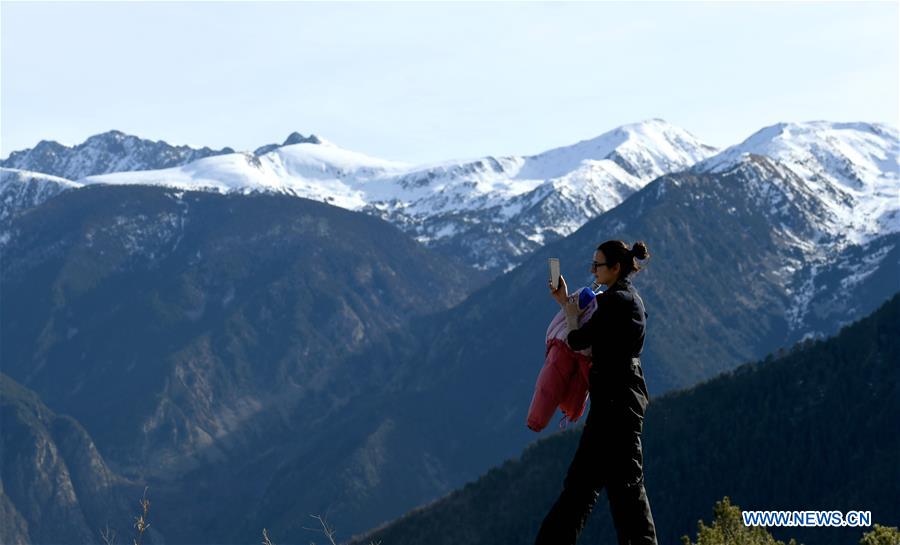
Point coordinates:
[(321, 172), (852, 167), (18, 176), (20, 189), (625, 159), (852, 154), (646, 150)]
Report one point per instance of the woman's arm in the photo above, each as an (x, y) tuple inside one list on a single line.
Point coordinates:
[(597, 325)]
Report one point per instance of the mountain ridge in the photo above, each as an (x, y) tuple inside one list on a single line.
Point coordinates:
[(488, 211), (492, 211)]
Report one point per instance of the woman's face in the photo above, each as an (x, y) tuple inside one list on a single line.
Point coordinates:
[(603, 274)]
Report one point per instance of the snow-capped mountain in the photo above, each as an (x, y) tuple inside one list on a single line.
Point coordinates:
[(644, 150), (488, 211), (24, 175), (23, 189), (852, 168), (322, 172), (112, 151), (842, 182), (491, 211)]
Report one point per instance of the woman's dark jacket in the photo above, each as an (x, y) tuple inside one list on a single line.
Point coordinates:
[(615, 334)]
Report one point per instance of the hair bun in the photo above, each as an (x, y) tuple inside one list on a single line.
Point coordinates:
[(639, 250)]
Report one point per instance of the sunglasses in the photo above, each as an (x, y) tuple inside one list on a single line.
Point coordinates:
[(595, 265)]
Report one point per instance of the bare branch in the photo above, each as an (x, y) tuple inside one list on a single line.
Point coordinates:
[(328, 531), (140, 522), (108, 535)]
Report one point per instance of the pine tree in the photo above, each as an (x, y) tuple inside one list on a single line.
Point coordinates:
[(728, 529), (881, 535)]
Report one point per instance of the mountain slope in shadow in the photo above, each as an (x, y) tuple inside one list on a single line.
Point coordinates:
[(812, 430)]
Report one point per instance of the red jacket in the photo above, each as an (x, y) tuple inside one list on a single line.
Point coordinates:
[(563, 381)]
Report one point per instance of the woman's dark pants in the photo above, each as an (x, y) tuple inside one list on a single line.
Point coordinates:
[(609, 455)]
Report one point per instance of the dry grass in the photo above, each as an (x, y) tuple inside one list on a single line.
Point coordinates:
[(326, 529), (140, 523)]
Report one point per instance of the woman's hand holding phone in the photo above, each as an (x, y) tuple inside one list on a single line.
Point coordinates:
[(561, 294)]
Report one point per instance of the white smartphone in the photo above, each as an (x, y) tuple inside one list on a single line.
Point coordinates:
[(554, 272)]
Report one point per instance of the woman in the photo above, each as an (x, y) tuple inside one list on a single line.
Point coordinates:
[(609, 452)]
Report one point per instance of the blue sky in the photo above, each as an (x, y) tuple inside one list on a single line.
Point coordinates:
[(432, 81)]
